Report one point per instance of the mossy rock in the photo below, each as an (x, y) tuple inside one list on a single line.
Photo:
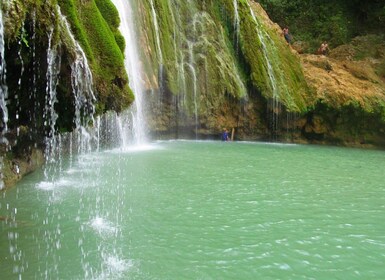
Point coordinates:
[(95, 25)]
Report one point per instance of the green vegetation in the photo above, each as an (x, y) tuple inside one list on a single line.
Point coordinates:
[(198, 56), (26, 28), (258, 40), (198, 42), (97, 32), (111, 16), (338, 21)]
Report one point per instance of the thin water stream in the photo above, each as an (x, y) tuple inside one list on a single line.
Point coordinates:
[(3, 85), (200, 210)]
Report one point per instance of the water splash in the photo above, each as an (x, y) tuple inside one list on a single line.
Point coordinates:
[(102, 226), (114, 267), (133, 68)]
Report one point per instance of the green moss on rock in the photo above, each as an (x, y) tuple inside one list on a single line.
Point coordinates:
[(97, 32)]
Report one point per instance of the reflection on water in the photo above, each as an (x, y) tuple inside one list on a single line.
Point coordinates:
[(200, 210)]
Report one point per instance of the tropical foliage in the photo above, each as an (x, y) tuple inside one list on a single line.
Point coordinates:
[(335, 21)]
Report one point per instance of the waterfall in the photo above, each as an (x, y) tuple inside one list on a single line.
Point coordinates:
[(3, 85), (263, 36), (52, 149), (236, 24), (194, 80), (133, 67), (157, 37), (198, 59), (82, 88), (270, 69), (20, 57), (158, 51), (178, 36), (178, 65)]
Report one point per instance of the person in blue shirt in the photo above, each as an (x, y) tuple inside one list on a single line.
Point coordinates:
[(225, 135)]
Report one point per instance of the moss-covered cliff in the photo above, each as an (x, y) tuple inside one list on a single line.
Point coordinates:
[(224, 63), (41, 60), (94, 24), (217, 65)]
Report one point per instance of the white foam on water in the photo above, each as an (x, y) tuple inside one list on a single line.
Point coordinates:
[(102, 226), (135, 149), (114, 267), (283, 266), (187, 141), (50, 186), (116, 264), (76, 171), (88, 157)]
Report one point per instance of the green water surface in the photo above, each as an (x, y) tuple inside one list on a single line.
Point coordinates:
[(200, 210)]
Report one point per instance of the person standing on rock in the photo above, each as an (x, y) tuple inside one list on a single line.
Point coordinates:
[(323, 49), (287, 35)]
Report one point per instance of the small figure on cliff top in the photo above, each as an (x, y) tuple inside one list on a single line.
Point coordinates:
[(286, 35), (225, 135), (323, 49)]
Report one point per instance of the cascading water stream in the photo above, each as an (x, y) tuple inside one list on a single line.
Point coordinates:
[(3, 85), (158, 51), (133, 68), (194, 80), (157, 37), (178, 38), (236, 24), (178, 65), (270, 71), (19, 82), (3, 93), (52, 151), (82, 88)]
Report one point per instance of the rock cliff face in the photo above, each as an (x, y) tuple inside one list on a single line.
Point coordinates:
[(348, 89), (214, 64)]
